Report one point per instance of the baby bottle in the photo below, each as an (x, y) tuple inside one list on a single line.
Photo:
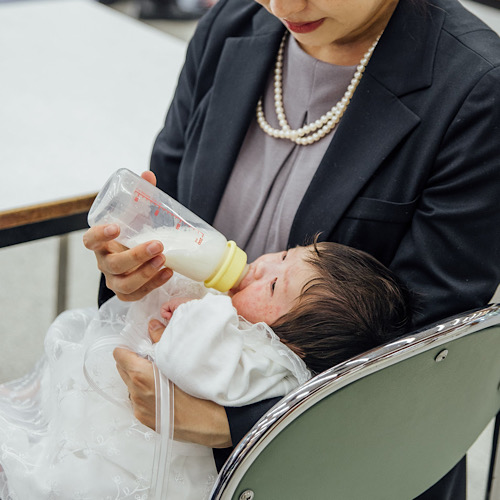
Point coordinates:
[(191, 246)]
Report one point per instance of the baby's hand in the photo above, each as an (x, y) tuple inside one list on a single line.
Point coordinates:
[(168, 308)]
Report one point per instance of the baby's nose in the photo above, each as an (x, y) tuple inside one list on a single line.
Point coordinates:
[(260, 269)]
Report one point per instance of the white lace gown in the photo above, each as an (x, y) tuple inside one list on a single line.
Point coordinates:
[(67, 430)]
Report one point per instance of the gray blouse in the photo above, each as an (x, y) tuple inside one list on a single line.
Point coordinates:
[(271, 175)]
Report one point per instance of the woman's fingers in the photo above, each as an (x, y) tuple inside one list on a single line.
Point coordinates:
[(98, 237), (124, 261), (137, 373), (134, 271), (149, 176), (136, 285), (130, 273)]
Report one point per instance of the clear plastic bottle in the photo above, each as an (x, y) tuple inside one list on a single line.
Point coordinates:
[(191, 246)]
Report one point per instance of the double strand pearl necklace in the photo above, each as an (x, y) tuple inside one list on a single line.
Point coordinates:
[(314, 131)]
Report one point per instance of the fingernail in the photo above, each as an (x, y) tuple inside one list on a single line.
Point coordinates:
[(157, 262), (110, 230), (154, 248), (166, 274)]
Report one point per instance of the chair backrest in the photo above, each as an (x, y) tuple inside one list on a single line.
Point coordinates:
[(384, 425)]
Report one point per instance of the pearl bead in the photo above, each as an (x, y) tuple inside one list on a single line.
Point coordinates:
[(308, 134)]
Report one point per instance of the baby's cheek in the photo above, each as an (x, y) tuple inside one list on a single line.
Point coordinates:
[(264, 312), (248, 307)]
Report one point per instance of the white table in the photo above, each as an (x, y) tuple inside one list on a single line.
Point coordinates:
[(83, 91)]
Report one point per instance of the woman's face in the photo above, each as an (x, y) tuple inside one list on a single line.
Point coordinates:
[(272, 285), (333, 30)]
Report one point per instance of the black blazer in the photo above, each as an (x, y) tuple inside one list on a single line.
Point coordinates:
[(412, 174)]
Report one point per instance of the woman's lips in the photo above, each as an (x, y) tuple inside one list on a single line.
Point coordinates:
[(303, 27)]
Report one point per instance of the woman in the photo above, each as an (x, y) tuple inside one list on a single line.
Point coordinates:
[(410, 173)]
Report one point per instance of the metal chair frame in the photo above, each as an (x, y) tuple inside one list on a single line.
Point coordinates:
[(231, 481)]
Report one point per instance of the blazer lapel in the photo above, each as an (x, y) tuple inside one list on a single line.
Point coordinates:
[(347, 165), (376, 117), (244, 67)]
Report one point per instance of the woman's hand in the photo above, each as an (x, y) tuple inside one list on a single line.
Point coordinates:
[(130, 273), (137, 373), (195, 420)]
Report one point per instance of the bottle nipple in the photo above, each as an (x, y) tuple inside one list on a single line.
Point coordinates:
[(231, 270), (242, 275)]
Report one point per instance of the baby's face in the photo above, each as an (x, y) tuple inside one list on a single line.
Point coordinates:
[(272, 285)]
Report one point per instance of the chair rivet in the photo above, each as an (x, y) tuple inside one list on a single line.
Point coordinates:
[(442, 355), (247, 495)]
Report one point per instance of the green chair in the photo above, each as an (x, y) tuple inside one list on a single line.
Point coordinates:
[(384, 425)]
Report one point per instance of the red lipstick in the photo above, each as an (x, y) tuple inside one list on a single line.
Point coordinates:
[(303, 27)]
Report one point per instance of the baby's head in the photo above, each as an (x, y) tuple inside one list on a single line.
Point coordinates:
[(327, 302)]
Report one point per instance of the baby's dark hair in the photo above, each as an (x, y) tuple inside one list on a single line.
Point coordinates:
[(352, 305)]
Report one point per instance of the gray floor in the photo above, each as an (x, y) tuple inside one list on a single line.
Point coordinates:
[(28, 283)]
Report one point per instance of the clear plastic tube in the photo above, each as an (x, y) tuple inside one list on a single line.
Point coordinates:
[(164, 414), (164, 391)]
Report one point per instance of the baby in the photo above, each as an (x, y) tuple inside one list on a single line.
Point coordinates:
[(326, 302), (67, 429)]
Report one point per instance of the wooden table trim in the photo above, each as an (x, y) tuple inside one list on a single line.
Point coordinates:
[(46, 211)]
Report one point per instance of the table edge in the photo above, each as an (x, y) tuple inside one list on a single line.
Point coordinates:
[(46, 211)]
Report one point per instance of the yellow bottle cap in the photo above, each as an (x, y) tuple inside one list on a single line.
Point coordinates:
[(230, 270)]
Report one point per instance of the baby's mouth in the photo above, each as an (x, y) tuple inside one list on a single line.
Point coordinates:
[(244, 282)]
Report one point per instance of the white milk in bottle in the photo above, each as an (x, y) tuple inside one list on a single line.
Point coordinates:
[(191, 246)]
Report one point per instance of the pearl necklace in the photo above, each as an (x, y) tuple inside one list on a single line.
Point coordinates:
[(314, 131)]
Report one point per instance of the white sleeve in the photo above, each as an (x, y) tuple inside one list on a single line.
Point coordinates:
[(209, 353)]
